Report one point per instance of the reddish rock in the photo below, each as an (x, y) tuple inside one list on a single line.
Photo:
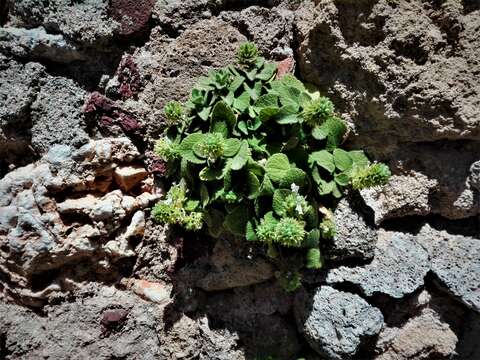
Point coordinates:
[(133, 15), (286, 66), (128, 77), (97, 102)]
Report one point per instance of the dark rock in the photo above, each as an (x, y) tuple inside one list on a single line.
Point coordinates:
[(397, 269), (133, 15), (336, 323)]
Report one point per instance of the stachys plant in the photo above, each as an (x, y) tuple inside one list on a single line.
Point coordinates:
[(255, 155)]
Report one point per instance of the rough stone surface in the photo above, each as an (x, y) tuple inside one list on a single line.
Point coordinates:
[(42, 231), (425, 336), (399, 71), (57, 116), (232, 268), (355, 236), (397, 269), (455, 261), (335, 323)]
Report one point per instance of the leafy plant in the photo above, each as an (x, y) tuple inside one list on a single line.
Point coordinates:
[(254, 155)]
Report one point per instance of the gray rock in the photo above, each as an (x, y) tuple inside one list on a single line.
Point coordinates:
[(336, 323), (475, 175), (428, 179), (57, 115), (455, 260), (232, 268), (354, 238), (270, 29), (37, 44), (86, 22), (19, 85), (398, 268)]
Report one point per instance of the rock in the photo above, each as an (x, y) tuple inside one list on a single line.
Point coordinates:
[(475, 175), (38, 44), (231, 269), (336, 323), (404, 77), (19, 85), (270, 29), (128, 176), (355, 236), (57, 115), (248, 310), (424, 336), (84, 327), (455, 261), (40, 232), (86, 23), (428, 180), (133, 16), (152, 291), (397, 269)]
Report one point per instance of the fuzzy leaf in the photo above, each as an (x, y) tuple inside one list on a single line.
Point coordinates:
[(268, 113), (313, 259), (242, 102), (323, 159), (342, 159), (236, 83), (222, 113), (294, 176), (209, 174), (278, 201), (253, 185), (267, 100), (342, 179), (250, 234), (266, 189), (231, 147), (312, 239), (204, 196), (187, 145), (205, 113), (359, 158), (287, 115), (242, 156), (267, 72), (277, 166), (236, 221), (214, 220)]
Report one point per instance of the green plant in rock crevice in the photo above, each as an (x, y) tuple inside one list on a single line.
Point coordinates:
[(255, 155)]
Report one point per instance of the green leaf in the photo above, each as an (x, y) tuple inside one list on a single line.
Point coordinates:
[(255, 92), (222, 113), (319, 133), (209, 174), (277, 166), (187, 145), (232, 146), (294, 176), (342, 179), (191, 205), (267, 72), (242, 126), (359, 158), (250, 234), (236, 83), (313, 259), (214, 220), (242, 102), (204, 196), (336, 191), (253, 185), (268, 113), (291, 80), (266, 189), (220, 127), (312, 239), (205, 113), (267, 100), (342, 159), (323, 159), (287, 115), (279, 203), (242, 156), (236, 221), (325, 187)]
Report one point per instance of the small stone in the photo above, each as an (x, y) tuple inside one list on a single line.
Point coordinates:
[(128, 176), (336, 323), (153, 291), (397, 269)]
